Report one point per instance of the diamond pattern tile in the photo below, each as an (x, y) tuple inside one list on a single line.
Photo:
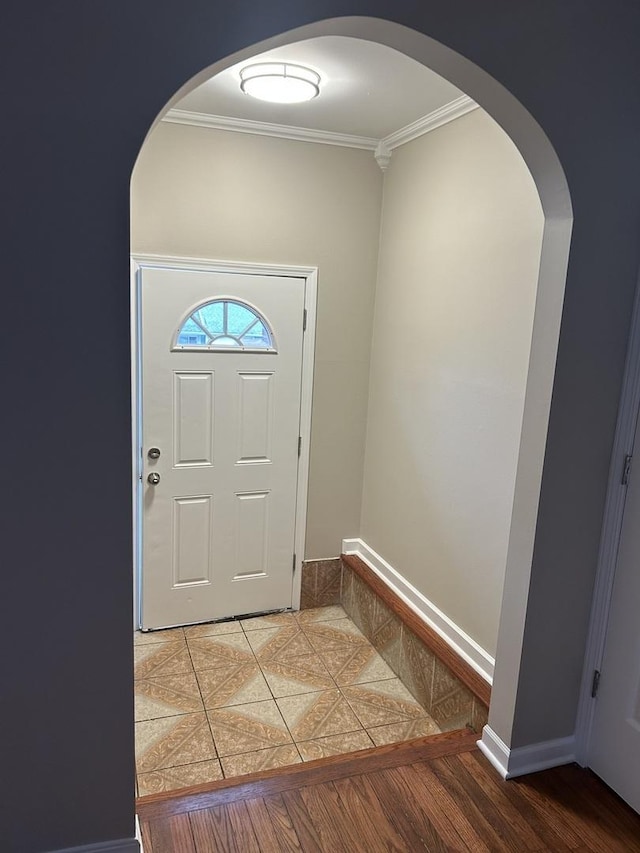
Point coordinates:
[(225, 699)]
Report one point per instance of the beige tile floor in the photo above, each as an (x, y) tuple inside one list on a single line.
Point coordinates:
[(224, 699)]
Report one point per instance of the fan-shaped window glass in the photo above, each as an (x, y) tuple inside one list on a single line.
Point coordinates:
[(223, 325)]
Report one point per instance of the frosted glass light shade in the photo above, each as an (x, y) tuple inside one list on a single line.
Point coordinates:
[(280, 82)]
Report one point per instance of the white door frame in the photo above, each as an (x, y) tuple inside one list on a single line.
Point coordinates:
[(310, 275), (611, 533)]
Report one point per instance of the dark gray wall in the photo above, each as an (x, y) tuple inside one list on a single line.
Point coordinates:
[(81, 83)]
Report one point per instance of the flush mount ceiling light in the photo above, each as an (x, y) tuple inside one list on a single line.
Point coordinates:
[(280, 82)]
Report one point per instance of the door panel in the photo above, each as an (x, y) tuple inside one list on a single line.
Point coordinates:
[(252, 519), (255, 417), (193, 419), (615, 742), (192, 545), (218, 528)]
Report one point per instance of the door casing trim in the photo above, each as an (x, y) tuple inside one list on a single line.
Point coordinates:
[(309, 274), (610, 536)]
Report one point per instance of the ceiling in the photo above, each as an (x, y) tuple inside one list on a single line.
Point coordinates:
[(367, 89)]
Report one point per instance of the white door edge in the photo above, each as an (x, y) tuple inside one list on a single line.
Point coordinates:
[(310, 274), (610, 536)]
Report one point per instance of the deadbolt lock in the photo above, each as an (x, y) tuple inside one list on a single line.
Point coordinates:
[(153, 478), (154, 453)]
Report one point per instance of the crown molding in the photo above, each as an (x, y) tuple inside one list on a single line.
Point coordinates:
[(263, 128), (443, 115), (382, 148), (382, 155)]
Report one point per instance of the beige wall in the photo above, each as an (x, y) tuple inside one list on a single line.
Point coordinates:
[(459, 253), (231, 196), (444, 381)]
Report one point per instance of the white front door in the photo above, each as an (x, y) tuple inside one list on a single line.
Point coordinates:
[(615, 741), (221, 369)]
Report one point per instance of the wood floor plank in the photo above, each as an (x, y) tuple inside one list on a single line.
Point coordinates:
[(393, 812), (145, 834), (497, 805), (586, 825), (225, 828), (272, 825), (454, 802), (565, 802), (436, 791), (547, 826), (365, 811), (310, 841), (413, 822), (603, 830), (527, 789), (409, 788), (592, 788), (166, 835), (327, 814), (495, 836)]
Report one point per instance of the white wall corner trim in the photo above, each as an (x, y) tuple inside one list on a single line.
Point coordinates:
[(511, 763), (122, 845), (264, 128), (443, 115), (459, 641)]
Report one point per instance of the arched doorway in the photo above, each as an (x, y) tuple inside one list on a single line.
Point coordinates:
[(552, 188)]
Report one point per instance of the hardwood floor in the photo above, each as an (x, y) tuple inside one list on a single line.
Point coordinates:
[(437, 794)]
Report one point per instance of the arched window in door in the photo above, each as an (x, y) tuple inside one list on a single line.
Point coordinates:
[(225, 324)]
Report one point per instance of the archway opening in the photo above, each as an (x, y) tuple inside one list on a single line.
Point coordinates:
[(536, 375)]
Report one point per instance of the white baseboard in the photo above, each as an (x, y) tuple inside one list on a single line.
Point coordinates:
[(495, 749), (460, 642), (526, 759), (320, 560), (541, 756), (122, 845)]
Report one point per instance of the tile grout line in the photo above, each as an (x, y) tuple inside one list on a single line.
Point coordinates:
[(213, 740), (160, 642), (270, 690), (273, 698), (206, 711), (306, 628)]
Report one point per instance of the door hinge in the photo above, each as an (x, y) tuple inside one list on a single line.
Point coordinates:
[(304, 320), (626, 469), (294, 564), (595, 683), (299, 445)]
